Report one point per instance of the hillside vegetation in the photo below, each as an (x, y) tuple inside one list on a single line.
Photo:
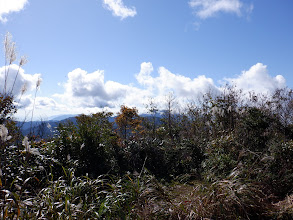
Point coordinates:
[(228, 156), (224, 156)]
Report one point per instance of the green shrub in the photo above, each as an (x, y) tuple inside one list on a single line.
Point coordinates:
[(222, 156), (90, 143), (279, 175)]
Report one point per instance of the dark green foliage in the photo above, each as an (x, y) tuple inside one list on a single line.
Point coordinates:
[(163, 159), (280, 170), (256, 125), (184, 158), (146, 153), (7, 107), (90, 143), (221, 157)]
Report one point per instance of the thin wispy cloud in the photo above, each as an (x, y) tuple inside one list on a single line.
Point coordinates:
[(9, 6), (118, 8), (209, 8)]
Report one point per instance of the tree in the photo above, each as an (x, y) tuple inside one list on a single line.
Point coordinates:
[(90, 141), (151, 122), (128, 122), (168, 119)]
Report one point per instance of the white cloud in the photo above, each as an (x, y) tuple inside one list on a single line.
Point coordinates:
[(9, 6), (209, 8), (45, 102), (183, 87), (90, 89), (89, 92), (16, 79), (257, 79), (119, 9), (144, 77), (44, 107)]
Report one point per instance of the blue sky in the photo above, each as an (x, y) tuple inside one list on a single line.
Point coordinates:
[(99, 54)]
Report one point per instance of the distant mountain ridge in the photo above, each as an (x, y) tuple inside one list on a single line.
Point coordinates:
[(47, 128), (61, 117)]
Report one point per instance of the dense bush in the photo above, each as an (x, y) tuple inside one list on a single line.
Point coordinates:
[(89, 145), (227, 157), (279, 175), (162, 158)]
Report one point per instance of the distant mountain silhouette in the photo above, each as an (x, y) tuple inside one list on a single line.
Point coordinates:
[(47, 129), (61, 117)]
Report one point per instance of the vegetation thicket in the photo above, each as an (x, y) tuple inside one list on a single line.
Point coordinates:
[(225, 156)]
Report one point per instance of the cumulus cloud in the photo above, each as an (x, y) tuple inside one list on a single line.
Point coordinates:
[(83, 84), (257, 79), (9, 6), (182, 86), (22, 87), (119, 9), (166, 81), (89, 92), (144, 77), (209, 8), (90, 89), (17, 79)]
